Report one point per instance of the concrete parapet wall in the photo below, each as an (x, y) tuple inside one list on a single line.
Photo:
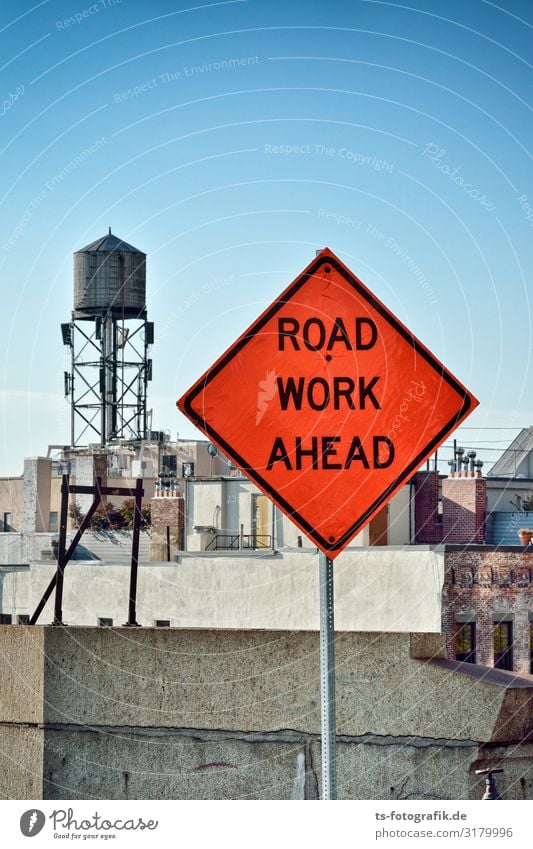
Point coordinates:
[(170, 713), (376, 589), (22, 675)]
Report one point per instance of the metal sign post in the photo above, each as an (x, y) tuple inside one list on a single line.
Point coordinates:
[(327, 679)]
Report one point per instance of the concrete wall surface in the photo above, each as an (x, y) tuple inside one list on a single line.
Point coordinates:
[(376, 589), (170, 713), (11, 500), (23, 548)]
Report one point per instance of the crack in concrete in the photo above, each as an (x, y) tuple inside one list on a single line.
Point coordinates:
[(286, 735)]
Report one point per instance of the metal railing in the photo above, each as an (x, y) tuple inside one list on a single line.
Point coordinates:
[(238, 542)]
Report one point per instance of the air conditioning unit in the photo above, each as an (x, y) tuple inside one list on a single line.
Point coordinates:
[(142, 469)]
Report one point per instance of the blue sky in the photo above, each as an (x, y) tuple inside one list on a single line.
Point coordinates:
[(231, 140)]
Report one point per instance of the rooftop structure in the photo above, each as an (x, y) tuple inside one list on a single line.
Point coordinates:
[(109, 338)]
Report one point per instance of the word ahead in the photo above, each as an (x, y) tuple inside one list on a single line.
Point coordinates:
[(321, 450), (328, 403)]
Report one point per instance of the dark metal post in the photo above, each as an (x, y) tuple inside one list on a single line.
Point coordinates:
[(58, 607), (327, 679), (71, 549), (168, 544), (72, 378), (132, 609)]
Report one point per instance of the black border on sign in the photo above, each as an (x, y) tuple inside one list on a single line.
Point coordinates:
[(466, 402)]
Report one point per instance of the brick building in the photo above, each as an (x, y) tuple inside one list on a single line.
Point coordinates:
[(487, 604)]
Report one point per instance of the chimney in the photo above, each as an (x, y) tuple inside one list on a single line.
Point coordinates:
[(464, 501), (428, 524)]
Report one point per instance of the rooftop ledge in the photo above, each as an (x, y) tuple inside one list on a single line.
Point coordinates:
[(279, 552), (490, 675), (517, 549)]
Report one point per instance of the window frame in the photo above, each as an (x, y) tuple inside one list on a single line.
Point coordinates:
[(503, 658), (467, 656)]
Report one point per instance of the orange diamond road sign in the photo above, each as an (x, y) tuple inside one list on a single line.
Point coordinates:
[(328, 403)]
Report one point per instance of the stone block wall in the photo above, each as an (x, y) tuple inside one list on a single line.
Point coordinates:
[(98, 713)]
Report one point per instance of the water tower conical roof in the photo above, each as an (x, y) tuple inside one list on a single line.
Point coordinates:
[(110, 279), (110, 243)]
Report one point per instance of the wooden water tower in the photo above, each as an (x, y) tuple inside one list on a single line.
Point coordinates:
[(109, 338)]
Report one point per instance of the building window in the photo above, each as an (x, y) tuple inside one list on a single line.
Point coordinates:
[(170, 464), (23, 619), (6, 525), (187, 470), (104, 622), (465, 642), (5, 619), (162, 623), (503, 645), (53, 522)]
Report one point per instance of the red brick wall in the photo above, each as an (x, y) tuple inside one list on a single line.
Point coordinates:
[(488, 583), (464, 505), (428, 527), (167, 512)]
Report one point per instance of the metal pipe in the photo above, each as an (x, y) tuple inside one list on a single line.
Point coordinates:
[(145, 386), (113, 429), (61, 561), (72, 403), (186, 499), (327, 678), (132, 606), (491, 790), (109, 367)]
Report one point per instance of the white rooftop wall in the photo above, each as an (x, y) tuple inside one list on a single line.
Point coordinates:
[(376, 589)]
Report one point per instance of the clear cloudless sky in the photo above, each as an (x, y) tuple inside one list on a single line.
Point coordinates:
[(410, 129)]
